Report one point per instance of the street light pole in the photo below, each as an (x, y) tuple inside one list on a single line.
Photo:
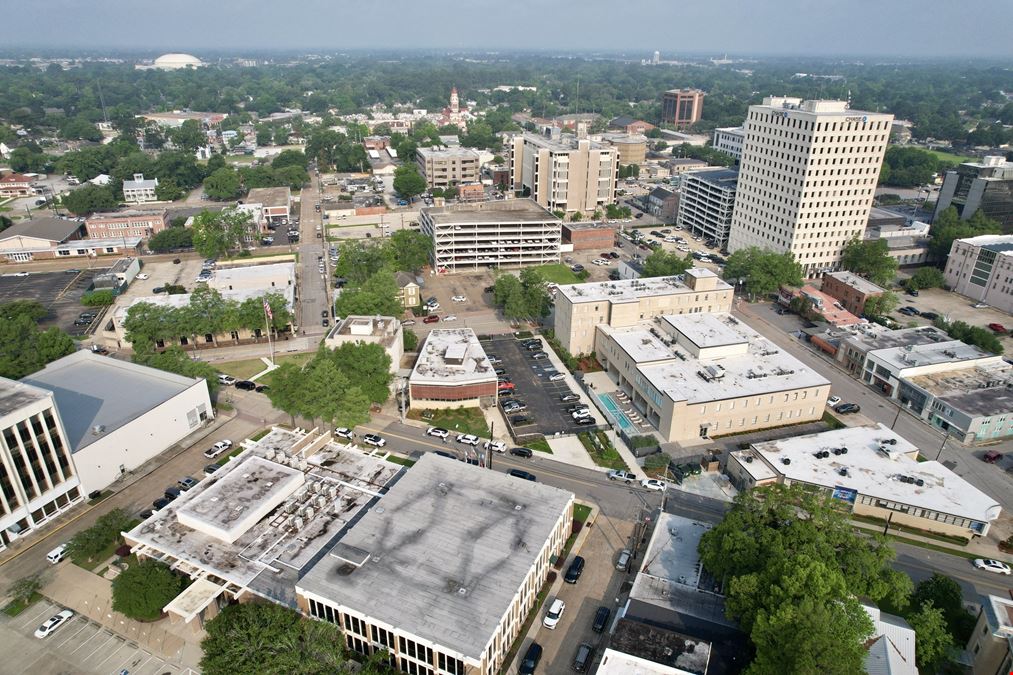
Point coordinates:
[(946, 437)]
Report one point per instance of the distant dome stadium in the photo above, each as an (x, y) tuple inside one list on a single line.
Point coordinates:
[(177, 61)]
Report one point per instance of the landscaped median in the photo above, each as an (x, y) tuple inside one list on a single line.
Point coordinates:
[(601, 450), (458, 420)]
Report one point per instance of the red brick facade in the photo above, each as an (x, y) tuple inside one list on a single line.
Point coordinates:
[(144, 224), (853, 299), (451, 392), (587, 237)]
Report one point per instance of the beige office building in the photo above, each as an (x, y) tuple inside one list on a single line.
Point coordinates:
[(580, 308), (562, 172), (807, 178), (632, 148), (447, 167)]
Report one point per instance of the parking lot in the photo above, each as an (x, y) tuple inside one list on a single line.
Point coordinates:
[(547, 413), (59, 292), (79, 646)]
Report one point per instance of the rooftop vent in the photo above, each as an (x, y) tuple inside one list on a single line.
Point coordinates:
[(98, 429), (785, 461)]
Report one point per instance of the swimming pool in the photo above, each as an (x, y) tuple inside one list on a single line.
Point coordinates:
[(624, 423)]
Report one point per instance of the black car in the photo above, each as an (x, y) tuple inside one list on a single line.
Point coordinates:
[(146, 513), (574, 571), (520, 473), (160, 503), (262, 388), (931, 316), (913, 292), (846, 408), (531, 659), (584, 421), (521, 452), (172, 492), (246, 385), (601, 619), (488, 289), (518, 420), (444, 453)]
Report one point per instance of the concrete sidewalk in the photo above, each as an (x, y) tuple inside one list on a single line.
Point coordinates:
[(91, 596), (569, 450)]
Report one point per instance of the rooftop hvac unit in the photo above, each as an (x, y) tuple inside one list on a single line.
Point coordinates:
[(919, 482), (843, 471), (785, 461), (749, 459)]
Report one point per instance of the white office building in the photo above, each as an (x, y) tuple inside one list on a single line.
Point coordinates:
[(729, 140), (510, 233), (807, 178), (981, 268)]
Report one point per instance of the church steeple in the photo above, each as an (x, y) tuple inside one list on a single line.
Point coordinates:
[(455, 104)]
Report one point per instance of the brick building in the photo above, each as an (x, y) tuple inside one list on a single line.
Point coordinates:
[(452, 370), (144, 224), (588, 236), (850, 289)]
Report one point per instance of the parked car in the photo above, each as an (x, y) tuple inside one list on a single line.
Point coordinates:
[(531, 658), (554, 614), (450, 317), (519, 420), (913, 292), (653, 484), (586, 421), (246, 385), (931, 316), (498, 446), (432, 318), (601, 619), (261, 388), (989, 565), (211, 468), (570, 396), (226, 380), (374, 439), (555, 377), (459, 298), (585, 652), (506, 386), (217, 449), (539, 355), (160, 503), (833, 400), (521, 452), (52, 623), (625, 476), (577, 269), (493, 359), (172, 492), (992, 456), (344, 432), (847, 408), (909, 311), (574, 571), (520, 473), (996, 328), (438, 432), (187, 482), (623, 563), (511, 406)]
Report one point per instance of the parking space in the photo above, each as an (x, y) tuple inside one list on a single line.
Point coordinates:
[(89, 646), (59, 292), (546, 413)]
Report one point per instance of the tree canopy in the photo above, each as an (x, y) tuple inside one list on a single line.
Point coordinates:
[(793, 568), (219, 234), (265, 638), (24, 348), (224, 184), (522, 298), (88, 199), (870, 258), (882, 304), (972, 335), (909, 167), (926, 277), (661, 263), (764, 271), (143, 589), (948, 226), (408, 182)]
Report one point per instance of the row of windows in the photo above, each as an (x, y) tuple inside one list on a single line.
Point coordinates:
[(927, 514)]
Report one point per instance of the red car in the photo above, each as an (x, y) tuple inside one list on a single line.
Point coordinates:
[(997, 328), (432, 318), (992, 456), (505, 386)]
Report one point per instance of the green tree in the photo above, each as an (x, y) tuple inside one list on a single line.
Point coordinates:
[(663, 264), (933, 641), (906, 166), (359, 261), (100, 298), (88, 544), (223, 184), (576, 217), (377, 296), (24, 589), (25, 349), (33, 309), (88, 199), (410, 250), (882, 304), (219, 234), (871, 259), (764, 271), (972, 335), (365, 364), (142, 590), (926, 277), (168, 190), (290, 158), (945, 594), (265, 638), (408, 182), (188, 136), (948, 226), (410, 339), (171, 238)]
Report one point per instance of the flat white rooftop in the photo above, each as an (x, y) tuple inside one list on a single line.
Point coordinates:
[(913, 356), (631, 290), (507, 212), (223, 276), (452, 356), (183, 299), (444, 554), (858, 283), (879, 463), (707, 330)]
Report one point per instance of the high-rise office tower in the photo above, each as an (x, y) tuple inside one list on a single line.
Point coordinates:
[(682, 107), (807, 178)]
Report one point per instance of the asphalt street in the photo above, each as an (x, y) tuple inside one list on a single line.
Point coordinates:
[(313, 285)]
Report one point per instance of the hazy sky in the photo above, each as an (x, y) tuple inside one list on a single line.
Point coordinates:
[(920, 28)]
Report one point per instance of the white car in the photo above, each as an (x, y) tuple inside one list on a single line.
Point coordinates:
[(450, 317), (577, 414), (555, 613), (52, 623), (992, 566), (459, 298), (218, 448), (21, 274), (437, 432), (653, 484), (374, 440), (833, 401), (142, 277), (344, 432), (432, 306), (498, 446), (468, 439), (555, 377), (226, 380)]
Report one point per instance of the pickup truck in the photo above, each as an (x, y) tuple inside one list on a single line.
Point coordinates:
[(616, 474)]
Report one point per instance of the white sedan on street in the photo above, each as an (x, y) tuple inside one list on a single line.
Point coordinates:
[(653, 484), (833, 401), (988, 565), (498, 446), (459, 298)]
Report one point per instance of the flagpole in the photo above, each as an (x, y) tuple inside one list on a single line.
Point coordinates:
[(267, 324)]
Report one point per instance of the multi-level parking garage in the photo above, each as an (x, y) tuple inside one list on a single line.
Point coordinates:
[(509, 233)]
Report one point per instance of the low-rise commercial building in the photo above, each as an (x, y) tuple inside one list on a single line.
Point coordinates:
[(274, 202), (562, 172), (16, 185), (410, 582), (681, 165), (663, 204), (40, 481), (385, 331), (140, 190), (118, 415), (991, 642), (885, 368), (697, 376), (265, 277), (130, 223), (850, 289), (632, 147), (589, 236), (452, 370), (867, 338), (706, 202), (580, 308), (876, 472), (981, 268), (636, 647), (729, 140), (827, 306), (176, 118), (974, 404), (48, 238), (629, 125), (447, 167), (508, 233), (985, 186)]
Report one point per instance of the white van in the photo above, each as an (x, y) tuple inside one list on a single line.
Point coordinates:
[(57, 554)]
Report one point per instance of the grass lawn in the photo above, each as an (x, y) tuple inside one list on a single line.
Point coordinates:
[(921, 544), (92, 563), (950, 157), (247, 368), (461, 420), (558, 273), (831, 421), (541, 445), (103, 495), (581, 512), (403, 461), (605, 455), (260, 434), (15, 607)]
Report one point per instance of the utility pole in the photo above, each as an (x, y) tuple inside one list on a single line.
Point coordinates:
[(488, 451)]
